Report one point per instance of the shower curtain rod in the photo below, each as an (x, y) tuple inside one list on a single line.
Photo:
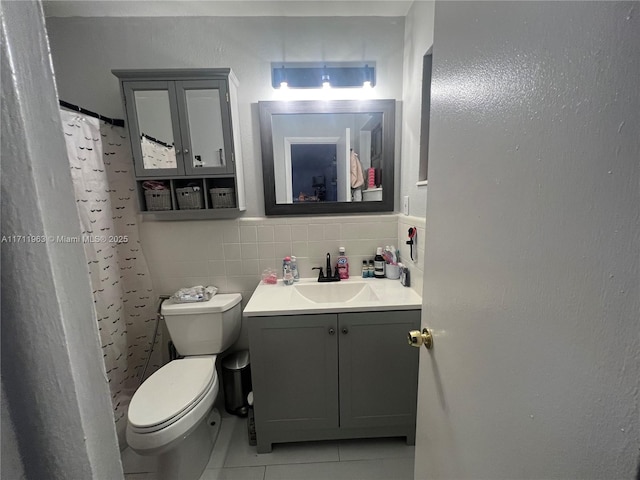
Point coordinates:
[(118, 122)]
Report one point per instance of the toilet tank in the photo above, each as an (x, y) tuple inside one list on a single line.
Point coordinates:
[(203, 328)]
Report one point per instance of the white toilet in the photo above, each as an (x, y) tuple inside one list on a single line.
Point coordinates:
[(170, 415)]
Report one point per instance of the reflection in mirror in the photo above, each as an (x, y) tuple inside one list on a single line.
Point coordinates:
[(328, 157), (205, 128), (349, 136), (313, 173), (154, 125)]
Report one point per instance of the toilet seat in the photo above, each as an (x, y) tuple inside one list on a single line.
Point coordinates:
[(174, 401), (171, 392)]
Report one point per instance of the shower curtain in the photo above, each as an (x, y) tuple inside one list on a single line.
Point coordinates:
[(124, 301)]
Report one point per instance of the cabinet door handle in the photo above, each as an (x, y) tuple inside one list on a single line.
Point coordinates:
[(345, 330), (186, 150), (177, 151), (221, 159), (332, 331)]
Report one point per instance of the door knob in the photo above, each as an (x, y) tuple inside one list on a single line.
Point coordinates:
[(417, 338)]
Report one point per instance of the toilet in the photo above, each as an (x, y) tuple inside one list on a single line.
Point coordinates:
[(171, 415)]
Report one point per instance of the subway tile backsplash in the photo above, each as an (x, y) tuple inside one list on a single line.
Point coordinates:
[(232, 254)]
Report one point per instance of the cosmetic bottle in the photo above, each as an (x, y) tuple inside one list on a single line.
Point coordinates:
[(378, 264), (343, 265)]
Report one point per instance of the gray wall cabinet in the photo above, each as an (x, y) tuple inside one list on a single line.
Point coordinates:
[(183, 135), (332, 376)]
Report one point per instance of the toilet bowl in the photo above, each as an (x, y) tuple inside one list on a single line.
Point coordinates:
[(170, 416), (171, 404)]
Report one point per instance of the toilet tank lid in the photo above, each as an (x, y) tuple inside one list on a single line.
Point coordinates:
[(217, 303)]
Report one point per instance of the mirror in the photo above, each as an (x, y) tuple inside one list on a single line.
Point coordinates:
[(156, 130), (327, 156), (205, 128)]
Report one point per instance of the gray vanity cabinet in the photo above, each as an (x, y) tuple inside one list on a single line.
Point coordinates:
[(332, 376), (293, 364), (378, 375)]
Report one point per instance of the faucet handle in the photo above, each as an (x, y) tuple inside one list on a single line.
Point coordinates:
[(321, 274)]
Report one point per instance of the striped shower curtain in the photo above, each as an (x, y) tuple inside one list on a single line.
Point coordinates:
[(124, 301)]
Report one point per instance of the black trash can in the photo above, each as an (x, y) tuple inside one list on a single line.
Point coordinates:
[(236, 379)]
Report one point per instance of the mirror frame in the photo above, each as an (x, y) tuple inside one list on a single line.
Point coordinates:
[(269, 108)]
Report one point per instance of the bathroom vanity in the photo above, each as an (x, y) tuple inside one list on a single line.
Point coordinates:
[(331, 361)]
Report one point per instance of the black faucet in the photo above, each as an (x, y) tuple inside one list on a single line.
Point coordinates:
[(329, 277)]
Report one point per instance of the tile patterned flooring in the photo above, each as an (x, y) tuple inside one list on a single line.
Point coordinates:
[(234, 459)]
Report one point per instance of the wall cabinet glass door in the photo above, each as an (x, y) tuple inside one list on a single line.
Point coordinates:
[(204, 119), (155, 136), (179, 127)]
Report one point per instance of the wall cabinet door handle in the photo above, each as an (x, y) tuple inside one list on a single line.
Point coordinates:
[(332, 331), (345, 330)]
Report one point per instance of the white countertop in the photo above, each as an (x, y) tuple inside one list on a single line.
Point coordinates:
[(377, 295)]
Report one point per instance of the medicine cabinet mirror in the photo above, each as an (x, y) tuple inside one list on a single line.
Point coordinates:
[(327, 156)]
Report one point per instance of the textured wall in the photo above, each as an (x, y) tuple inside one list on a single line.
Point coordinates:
[(532, 266), (418, 38), (52, 369), (85, 50)]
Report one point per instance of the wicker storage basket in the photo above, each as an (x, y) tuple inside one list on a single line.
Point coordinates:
[(188, 198), (158, 199), (223, 197)]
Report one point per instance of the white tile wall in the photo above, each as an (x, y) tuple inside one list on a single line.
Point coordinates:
[(231, 254)]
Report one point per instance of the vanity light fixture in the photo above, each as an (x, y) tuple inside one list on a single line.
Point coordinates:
[(326, 79), (329, 75), (367, 77), (280, 78)]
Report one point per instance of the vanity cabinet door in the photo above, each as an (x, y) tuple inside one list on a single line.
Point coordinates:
[(378, 373), (152, 114), (294, 360), (205, 123)]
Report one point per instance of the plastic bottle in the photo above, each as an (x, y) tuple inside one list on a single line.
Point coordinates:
[(378, 264), (343, 264), (371, 269), (287, 274), (365, 269), (294, 269)]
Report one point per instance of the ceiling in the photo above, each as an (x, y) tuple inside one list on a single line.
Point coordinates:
[(226, 8)]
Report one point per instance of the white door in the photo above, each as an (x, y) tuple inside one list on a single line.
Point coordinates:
[(531, 283), (343, 156)]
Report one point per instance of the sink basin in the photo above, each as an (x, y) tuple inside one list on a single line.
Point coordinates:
[(310, 297), (338, 292)]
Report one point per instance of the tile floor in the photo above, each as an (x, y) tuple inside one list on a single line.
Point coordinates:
[(234, 459)]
